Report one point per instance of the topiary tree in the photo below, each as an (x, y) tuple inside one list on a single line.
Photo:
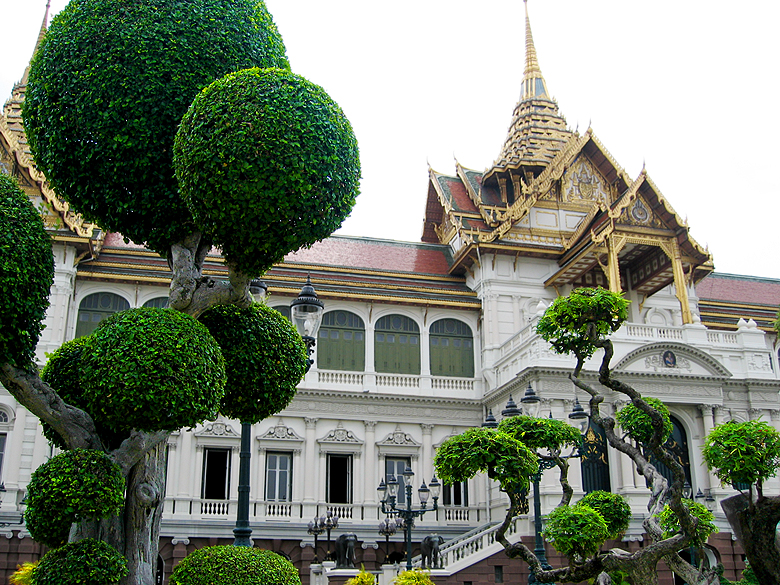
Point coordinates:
[(88, 561), (263, 143), (26, 273), (237, 565), (63, 373), (580, 324), (265, 359), (749, 453), (151, 370), (106, 93), (75, 485), (107, 89)]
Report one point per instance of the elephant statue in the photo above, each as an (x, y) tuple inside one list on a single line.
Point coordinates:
[(345, 551), (429, 548)]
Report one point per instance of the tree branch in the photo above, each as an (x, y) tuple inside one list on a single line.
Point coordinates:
[(74, 425)]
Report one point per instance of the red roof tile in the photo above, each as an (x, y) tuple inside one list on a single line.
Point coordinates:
[(739, 289), (371, 254)]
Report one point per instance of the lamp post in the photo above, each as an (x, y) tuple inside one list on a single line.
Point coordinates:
[(408, 514), (316, 529), (306, 304), (331, 522), (387, 529)]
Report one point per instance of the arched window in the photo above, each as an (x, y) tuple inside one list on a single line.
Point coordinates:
[(157, 303), (342, 342), (397, 345), (284, 310), (452, 349), (96, 307), (595, 465), (677, 444)]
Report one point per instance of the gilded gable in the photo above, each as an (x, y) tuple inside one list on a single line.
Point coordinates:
[(582, 182)]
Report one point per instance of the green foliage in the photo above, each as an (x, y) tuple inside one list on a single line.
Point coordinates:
[(540, 433), (265, 358), (152, 369), (413, 577), (612, 507), (23, 574), (63, 373), (88, 561), (362, 578), (670, 524), (26, 274), (639, 425), (577, 531), (70, 487), (746, 452), (108, 87), (572, 324), (480, 449), (234, 565), (748, 577), (268, 163)]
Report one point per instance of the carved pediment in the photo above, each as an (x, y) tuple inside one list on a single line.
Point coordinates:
[(341, 436), (672, 359), (218, 429), (582, 182)]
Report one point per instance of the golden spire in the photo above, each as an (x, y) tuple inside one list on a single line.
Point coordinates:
[(41, 34), (537, 132), (534, 85)]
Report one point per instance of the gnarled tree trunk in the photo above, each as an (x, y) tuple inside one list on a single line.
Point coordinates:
[(756, 529)]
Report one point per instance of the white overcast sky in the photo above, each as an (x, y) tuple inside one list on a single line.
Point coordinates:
[(688, 87)]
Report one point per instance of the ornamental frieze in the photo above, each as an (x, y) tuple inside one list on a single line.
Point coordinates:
[(583, 182)]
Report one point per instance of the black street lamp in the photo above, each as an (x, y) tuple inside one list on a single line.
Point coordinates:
[(387, 528), (316, 529), (306, 313), (311, 307), (408, 514), (330, 521)]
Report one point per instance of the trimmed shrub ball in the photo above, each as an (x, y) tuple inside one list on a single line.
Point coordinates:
[(63, 373), (108, 87), (152, 369), (267, 163), (73, 486), (265, 358), (26, 274), (88, 561), (234, 565)]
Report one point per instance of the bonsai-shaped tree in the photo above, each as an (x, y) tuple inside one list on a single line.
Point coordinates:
[(107, 91), (579, 324), (747, 454)]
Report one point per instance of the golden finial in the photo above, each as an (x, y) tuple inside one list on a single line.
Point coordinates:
[(41, 34), (534, 85)]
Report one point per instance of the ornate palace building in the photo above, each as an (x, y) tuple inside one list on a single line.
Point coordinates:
[(421, 341)]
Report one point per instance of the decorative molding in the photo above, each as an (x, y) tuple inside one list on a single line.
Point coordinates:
[(280, 432), (218, 429), (680, 351), (311, 423), (427, 428), (398, 437), (180, 540)]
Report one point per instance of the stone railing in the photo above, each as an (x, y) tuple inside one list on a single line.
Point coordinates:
[(340, 378), (721, 338), (397, 381), (443, 383), (651, 332)]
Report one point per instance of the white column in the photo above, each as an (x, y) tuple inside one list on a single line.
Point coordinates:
[(185, 467), (427, 452), (774, 415), (720, 414), (309, 456), (706, 411), (756, 413), (371, 479)]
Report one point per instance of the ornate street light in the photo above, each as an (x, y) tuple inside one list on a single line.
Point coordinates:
[(408, 514), (531, 401), (306, 313), (316, 529), (490, 420), (511, 408), (330, 521), (579, 417), (306, 309), (387, 528)]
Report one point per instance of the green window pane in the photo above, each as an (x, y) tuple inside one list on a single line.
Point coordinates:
[(451, 349), (397, 347), (341, 344)]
